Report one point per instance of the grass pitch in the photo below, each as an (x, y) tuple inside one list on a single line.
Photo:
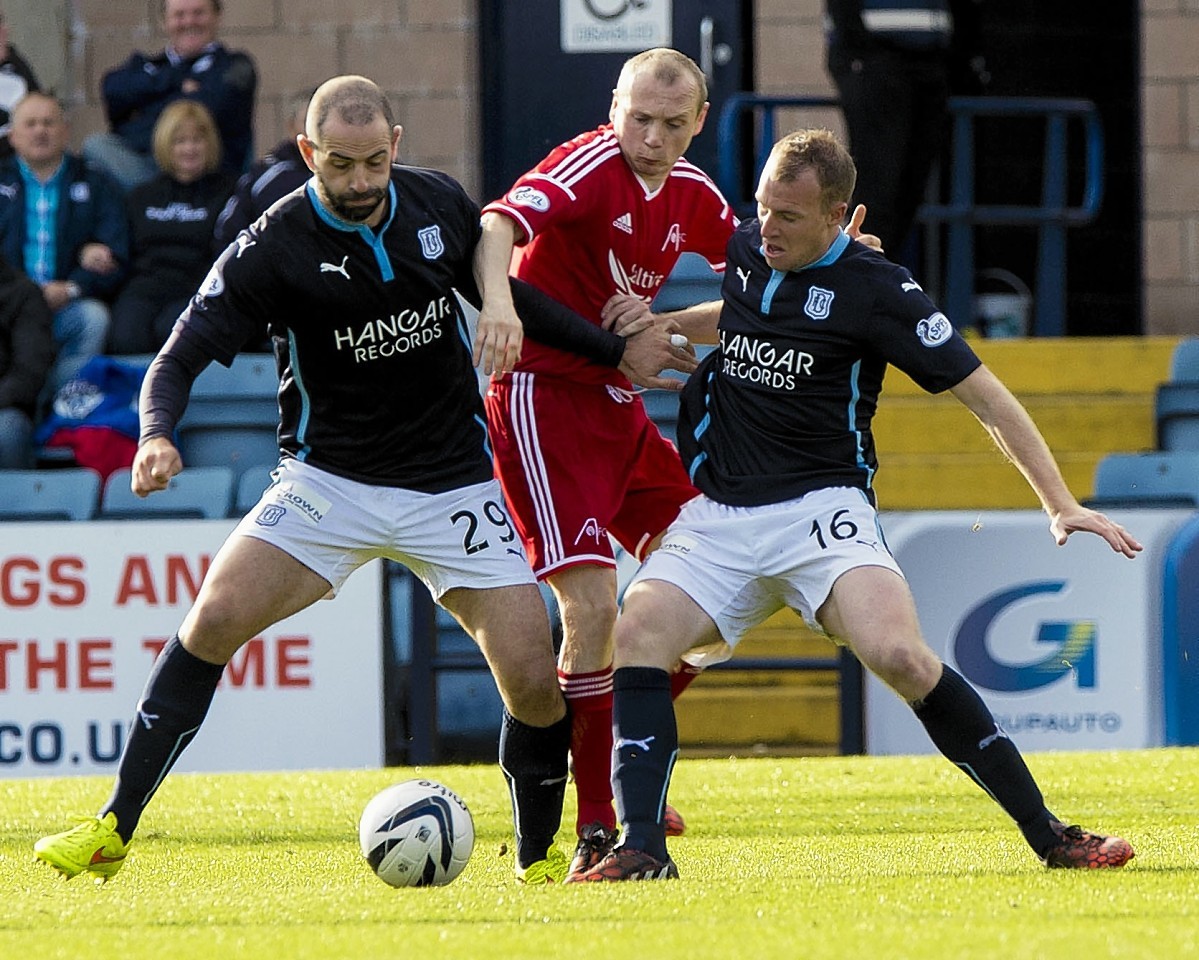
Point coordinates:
[(798, 858)]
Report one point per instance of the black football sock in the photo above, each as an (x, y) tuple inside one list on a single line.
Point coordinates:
[(533, 761), (645, 745), (173, 705), (965, 731)]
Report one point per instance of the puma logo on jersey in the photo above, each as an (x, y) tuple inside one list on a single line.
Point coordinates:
[(337, 268), (243, 244), (624, 223), (147, 719), (643, 744), (909, 285), (744, 275)]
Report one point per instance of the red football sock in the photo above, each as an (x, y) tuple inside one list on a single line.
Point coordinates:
[(681, 680), (589, 697)]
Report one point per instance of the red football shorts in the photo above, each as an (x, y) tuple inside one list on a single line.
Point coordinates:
[(578, 462)]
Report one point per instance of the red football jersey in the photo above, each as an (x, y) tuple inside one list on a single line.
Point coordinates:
[(593, 230)]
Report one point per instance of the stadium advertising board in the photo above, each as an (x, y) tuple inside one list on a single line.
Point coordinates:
[(86, 608), (1063, 643)]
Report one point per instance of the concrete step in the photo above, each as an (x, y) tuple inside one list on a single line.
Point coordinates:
[(971, 481), (721, 718), (776, 712), (1066, 365), (1078, 423)]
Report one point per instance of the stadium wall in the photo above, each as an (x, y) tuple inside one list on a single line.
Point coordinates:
[(424, 53)]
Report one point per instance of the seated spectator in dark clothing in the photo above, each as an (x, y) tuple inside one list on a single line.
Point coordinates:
[(26, 354), (274, 176), (63, 224), (193, 65), (170, 227), (16, 80)]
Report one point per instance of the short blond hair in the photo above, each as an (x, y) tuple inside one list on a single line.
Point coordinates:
[(667, 66), (167, 128), (821, 152)]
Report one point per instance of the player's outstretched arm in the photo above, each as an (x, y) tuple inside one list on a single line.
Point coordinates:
[(1017, 436), (648, 353), (627, 315), (499, 334)]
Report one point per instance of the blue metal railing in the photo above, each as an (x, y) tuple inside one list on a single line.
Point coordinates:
[(1052, 217), (428, 659)]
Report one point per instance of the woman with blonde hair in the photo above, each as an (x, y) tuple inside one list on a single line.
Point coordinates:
[(170, 228)]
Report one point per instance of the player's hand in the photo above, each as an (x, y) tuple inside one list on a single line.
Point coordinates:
[(653, 350), (627, 315), (1080, 518), (855, 229), (498, 340), (155, 462)]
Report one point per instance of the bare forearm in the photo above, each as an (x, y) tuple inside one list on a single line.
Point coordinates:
[(493, 255), (1015, 433), (697, 323)]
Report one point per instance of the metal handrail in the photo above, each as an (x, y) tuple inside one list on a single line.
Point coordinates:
[(1051, 217), (427, 661)]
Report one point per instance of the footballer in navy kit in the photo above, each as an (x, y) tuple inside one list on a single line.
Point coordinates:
[(775, 430), (791, 391), (384, 452)]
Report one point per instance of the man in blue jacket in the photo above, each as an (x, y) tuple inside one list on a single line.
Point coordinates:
[(62, 224), (194, 64)]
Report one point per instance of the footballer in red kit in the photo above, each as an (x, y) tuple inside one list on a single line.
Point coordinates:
[(604, 215)]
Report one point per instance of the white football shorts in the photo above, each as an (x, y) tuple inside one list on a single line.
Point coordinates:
[(742, 564), (459, 538)]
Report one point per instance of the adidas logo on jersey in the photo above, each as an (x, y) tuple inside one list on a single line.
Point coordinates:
[(625, 223)]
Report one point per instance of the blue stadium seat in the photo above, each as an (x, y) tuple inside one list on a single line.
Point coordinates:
[(691, 281), (71, 493), (250, 486), (196, 493), (1157, 479), (1176, 413), (232, 416), (1184, 364), (662, 407)]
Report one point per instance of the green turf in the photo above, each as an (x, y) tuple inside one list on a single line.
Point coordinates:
[(788, 858)]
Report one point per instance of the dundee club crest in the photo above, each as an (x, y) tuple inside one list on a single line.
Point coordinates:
[(819, 302)]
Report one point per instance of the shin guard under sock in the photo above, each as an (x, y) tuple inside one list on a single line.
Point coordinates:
[(965, 731), (173, 705), (646, 745), (533, 761), (589, 697)]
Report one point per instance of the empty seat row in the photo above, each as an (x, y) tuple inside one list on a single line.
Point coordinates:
[(75, 494), (1161, 478), (1176, 404)]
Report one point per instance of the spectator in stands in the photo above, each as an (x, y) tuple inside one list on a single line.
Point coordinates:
[(26, 354), (895, 63), (274, 176), (63, 224), (194, 64), (16, 80), (170, 226)]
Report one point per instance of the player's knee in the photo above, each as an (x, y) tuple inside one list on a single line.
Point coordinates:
[(907, 667), (213, 631), (535, 701)]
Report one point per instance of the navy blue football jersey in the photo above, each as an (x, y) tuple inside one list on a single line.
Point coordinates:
[(783, 405), (376, 380)]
